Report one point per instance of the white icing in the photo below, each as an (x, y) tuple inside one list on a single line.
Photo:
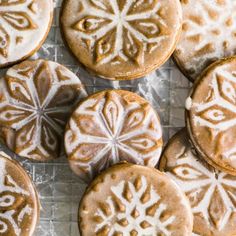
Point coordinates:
[(8, 200), (17, 26), (188, 48), (39, 111), (193, 177), (156, 225), (139, 142), (218, 112), (188, 103), (120, 21)]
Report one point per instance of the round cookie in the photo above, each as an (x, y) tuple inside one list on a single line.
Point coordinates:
[(121, 40), (211, 115), (109, 127), (208, 34), (24, 25), (211, 193), (19, 203), (134, 200), (36, 99)]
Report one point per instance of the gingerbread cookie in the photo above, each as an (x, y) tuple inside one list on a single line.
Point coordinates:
[(24, 25), (134, 200), (121, 40), (211, 193), (36, 99), (109, 127), (19, 204), (208, 34), (211, 115)]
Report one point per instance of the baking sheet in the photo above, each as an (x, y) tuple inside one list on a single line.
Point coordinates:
[(59, 189)]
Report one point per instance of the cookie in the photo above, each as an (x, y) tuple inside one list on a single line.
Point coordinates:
[(208, 34), (109, 127), (211, 193), (134, 200), (19, 204), (211, 115), (24, 25), (121, 40), (36, 99)]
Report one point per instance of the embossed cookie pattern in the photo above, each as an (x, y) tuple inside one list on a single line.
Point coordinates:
[(135, 200), (211, 193), (120, 31), (214, 116), (208, 34), (36, 99), (18, 206), (134, 208), (110, 127), (123, 35), (23, 25)]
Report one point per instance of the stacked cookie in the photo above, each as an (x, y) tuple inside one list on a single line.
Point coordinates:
[(113, 138), (201, 157)]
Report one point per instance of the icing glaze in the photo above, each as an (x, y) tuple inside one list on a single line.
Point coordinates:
[(36, 99), (110, 127), (124, 200), (23, 26), (135, 214), (18, 213), (208, 34), (216, 112), (212, 194), (128, 34), (130, 40)]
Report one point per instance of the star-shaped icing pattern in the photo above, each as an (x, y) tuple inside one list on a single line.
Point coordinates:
[(120, 30), (209, 31), (212, 193), (139, 212), (110, 127), (36, 99), (18, 200), (217, 112), (20, 21)]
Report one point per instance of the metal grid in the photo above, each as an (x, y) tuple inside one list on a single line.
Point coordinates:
[(59, 189)]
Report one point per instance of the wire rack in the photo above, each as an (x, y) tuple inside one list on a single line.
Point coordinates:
[(59, 189)]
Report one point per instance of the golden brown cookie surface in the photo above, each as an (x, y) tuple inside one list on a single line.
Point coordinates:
[(19, 204), (121, 39), (211, 116), (109, 127), (211, 193), (208, 34), (24, 25), (36, 99), (134, 200)]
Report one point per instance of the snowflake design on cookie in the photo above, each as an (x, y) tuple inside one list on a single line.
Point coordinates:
[(120, 30), (14, 207), (209, 31), (218, 111), (110, 127), (212, 194), (36, 99), (20, 20), (134, 208)]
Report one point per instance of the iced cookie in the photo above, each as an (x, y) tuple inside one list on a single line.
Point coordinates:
[(121, 40), (211, 193), (134, 200), (211, 115), (209, 33), (19, 204), (36, 99), (109, 127), (24, 25)]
